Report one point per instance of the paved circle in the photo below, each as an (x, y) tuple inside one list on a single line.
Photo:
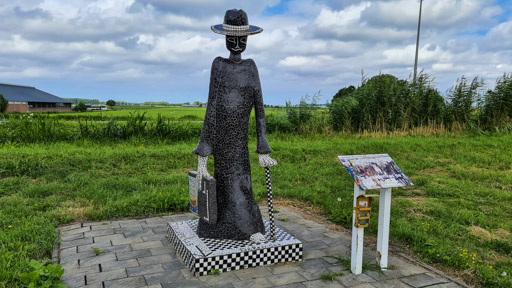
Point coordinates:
[(136, 253)]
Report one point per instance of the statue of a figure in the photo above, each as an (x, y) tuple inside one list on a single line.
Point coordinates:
[(234, 90)]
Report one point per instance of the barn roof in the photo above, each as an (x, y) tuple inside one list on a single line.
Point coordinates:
[(21, 93)]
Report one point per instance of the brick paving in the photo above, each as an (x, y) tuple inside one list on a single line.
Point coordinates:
[(136, 253)]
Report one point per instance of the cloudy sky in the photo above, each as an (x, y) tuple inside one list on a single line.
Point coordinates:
[(162, 50)]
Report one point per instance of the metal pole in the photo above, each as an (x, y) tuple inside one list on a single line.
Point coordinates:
[(270, 204), (417, 44)]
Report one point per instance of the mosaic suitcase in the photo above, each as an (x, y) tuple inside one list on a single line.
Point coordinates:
[(203, 200), (192, 189)]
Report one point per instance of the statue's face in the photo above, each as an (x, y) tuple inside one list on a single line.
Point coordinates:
[(236, 44)]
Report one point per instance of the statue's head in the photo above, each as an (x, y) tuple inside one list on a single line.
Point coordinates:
[(236, 44), (236, 28)]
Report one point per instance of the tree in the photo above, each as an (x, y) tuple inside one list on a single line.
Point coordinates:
[(3, 104), (381, 104), (80, 107), (111, 103), (344, 92)]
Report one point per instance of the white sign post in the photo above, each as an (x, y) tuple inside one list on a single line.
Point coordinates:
[(356, 256), (371, 172), (383, 232)]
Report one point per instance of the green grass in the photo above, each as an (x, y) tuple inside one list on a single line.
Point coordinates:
[(346, 262), (459, 208), (330, 276), (172, 113)]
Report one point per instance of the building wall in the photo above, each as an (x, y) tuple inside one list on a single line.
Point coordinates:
[(17, 107), (63, 109), (25, 107)]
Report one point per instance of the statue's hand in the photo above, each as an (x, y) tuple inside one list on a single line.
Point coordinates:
[(202, 170), (266, 161)]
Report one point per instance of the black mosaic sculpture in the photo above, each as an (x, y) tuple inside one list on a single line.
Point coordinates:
[(234, 90)]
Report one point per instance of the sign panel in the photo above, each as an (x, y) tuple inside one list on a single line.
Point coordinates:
[(374, 171)]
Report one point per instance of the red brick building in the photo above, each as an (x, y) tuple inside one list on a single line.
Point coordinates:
[(29, 99)]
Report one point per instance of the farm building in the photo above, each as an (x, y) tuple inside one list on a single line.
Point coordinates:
[(29, 99)]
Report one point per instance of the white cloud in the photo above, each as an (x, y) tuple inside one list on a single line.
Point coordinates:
[(30, 72), (18, 45), (499, 37), (181, 47), (351, 15), (448, 14)]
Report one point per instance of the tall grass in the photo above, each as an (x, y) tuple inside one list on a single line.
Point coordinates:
[(386, 103), (34, 128), (497, 104)]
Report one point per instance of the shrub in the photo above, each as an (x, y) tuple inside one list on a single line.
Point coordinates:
[(462, 99), (80, 107), (111, 103), (427, 105), (3, 104), (382, 102), (344, 92), (299, 116), (385, 103), (340, 111), (497, 104)]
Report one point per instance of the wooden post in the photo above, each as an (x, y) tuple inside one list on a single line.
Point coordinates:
[(356, 259), (383, 233)]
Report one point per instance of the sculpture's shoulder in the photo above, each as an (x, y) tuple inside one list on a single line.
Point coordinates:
[(217, 60), (250, 62)]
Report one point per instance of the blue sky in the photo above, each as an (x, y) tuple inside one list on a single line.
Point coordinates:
[(161, 50)]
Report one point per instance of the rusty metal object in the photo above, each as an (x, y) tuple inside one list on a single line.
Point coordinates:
[(363, 211)]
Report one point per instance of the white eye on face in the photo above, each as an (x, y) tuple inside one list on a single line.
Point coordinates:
[(243, 40), (232, 40)]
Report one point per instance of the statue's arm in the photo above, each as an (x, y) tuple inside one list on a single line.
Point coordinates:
[(262, 146), (207, 139)]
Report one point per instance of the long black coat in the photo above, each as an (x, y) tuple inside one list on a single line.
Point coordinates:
[(234, 90)]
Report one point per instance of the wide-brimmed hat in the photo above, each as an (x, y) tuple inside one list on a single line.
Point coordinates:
[(236, 23)]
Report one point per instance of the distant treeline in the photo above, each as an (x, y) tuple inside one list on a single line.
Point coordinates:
[(93, 102), (162, 103), (386, 103)]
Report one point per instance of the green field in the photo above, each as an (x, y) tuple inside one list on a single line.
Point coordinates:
[(151, 113), (458, 214)]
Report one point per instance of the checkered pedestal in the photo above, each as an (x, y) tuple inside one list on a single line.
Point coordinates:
[(202, 255)]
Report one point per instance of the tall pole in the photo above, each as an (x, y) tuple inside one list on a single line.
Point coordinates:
[(417, 44)]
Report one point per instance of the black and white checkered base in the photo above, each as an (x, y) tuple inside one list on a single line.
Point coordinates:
[(203, 255)]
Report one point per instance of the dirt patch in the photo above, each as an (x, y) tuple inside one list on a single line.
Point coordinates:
[(503, 234), (73, 209), (417, 200), (480, 233), (485, 235), (420, 205)]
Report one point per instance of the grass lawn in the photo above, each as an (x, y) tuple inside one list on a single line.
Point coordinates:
[(458, 214)]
